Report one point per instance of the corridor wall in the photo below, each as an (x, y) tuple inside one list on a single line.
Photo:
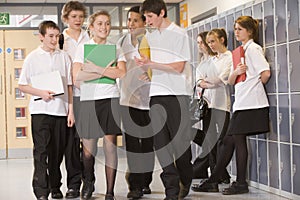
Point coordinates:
[(274, 161)]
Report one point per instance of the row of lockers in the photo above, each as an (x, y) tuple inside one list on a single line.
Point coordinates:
[(274, 162)]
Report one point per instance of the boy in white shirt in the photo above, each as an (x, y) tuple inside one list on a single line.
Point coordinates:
[(51, 115)]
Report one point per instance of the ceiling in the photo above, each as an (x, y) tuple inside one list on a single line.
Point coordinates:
[(85, 1)]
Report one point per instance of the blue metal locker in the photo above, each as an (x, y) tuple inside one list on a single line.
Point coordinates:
[(295, 115), (273, 165), (257, 14), (285, 167), (293, 19), (214, 24), (280, 16), (230, 28), (248, 11), (270, 56), (284, 125), (262, 161), (252, 160), (296, 169), (273, 118), (269, 22), (238, 14), (222, 23), (282, 69), (294, 53), (201, 28), (207, 26)]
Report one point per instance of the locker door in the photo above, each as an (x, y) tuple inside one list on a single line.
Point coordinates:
[(293, 19), (230, 36), (273, 165), (282, 69), (296, 169), (262, 162), (273, 135), (200, 28), (269, 22), (207, 26), (248, 11), (238, 14), (214, 24), (222, 23), (2, 101), (253, 160), (270, 55), (295, 109), (257, 14), (294, 51), (280, 16), (18, 118), (284, 127), (285, 167)]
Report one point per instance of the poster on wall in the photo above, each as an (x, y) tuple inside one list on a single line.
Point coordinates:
[(183, 16)]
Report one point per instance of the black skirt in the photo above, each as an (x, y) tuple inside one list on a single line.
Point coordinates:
[(249, 122)]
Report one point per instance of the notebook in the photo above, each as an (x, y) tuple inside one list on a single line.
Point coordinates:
[(101, 55), (238, 56), (49, 81)]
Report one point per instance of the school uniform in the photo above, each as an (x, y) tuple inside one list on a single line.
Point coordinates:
[(48, 119), (134, 101), (72, 153), (169, 107)]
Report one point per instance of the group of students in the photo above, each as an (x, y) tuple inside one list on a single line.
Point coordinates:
[(153, 108)]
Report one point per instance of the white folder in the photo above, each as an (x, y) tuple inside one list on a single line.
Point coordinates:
[(50, 81)]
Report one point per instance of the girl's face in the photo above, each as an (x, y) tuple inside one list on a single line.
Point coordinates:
[(241, 34), (75, 19), (201, 46), (215, 43), (101, 27)]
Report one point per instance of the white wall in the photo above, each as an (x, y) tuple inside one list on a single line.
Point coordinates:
[(196, 7)]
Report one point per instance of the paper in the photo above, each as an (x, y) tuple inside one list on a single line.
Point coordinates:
[(101, 55), (50, 81), (238, 56)]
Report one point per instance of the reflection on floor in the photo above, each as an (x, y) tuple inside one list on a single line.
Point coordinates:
[(16, 177)]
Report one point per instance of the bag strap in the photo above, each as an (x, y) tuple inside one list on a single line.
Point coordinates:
[(194, 89)]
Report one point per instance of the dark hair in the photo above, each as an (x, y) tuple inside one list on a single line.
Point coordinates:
[(250, 25), (220, 33), (136, 9), (203, 35), (44, 25), (154, 6), (70, 6)]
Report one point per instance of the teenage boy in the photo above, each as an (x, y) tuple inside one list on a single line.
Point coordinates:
[(134, 101), (51, 115), (169, 93)]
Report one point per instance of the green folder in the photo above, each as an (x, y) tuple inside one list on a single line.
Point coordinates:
[(101, 55)]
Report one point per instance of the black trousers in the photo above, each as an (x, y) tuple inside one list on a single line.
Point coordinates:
[(48, 134), (172, 140), (139, 147), (72, 159)]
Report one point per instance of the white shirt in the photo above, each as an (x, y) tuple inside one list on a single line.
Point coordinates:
[(216, 71), (70, 46), (94, 91), (251, 94), (168, 46), (42, 62), (134, 92)]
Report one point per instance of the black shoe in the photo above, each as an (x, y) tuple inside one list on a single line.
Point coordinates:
[(236, 188), (87, 189), (146, 190), (56, 194), (135, 194), (109, 197), (224, 181), (72, 193), (184, 190), (205, 187), (171, 198), (42, 198)]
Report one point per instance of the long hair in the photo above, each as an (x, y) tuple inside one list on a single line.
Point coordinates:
[(250, 24)]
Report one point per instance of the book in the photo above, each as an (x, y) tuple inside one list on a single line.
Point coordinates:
[(238, 56), (49, 81), (100, 55), (144, 49)]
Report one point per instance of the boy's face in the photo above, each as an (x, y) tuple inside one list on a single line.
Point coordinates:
[(153, 20), (50, 39), (135, 23)]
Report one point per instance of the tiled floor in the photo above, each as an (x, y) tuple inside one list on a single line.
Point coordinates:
[(16, 176)]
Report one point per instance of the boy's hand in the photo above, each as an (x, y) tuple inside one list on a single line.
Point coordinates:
[(144, 60), (240, 69), (47, 95)]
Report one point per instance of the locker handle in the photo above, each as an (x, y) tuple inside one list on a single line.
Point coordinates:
[(281, 167), (278, 70), (266, 23), (292, 118), (280, 118), (294, 169), (10, 85), (290, 67), (288, 17), (276, 20)]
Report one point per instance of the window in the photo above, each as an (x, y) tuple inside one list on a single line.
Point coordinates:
[(21, 132), (20, 113)]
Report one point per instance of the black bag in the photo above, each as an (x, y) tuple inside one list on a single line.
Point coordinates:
[(198, 107)]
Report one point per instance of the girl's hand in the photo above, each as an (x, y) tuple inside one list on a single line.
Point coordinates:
[(90, 67), (240, 69), (47, 95)]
